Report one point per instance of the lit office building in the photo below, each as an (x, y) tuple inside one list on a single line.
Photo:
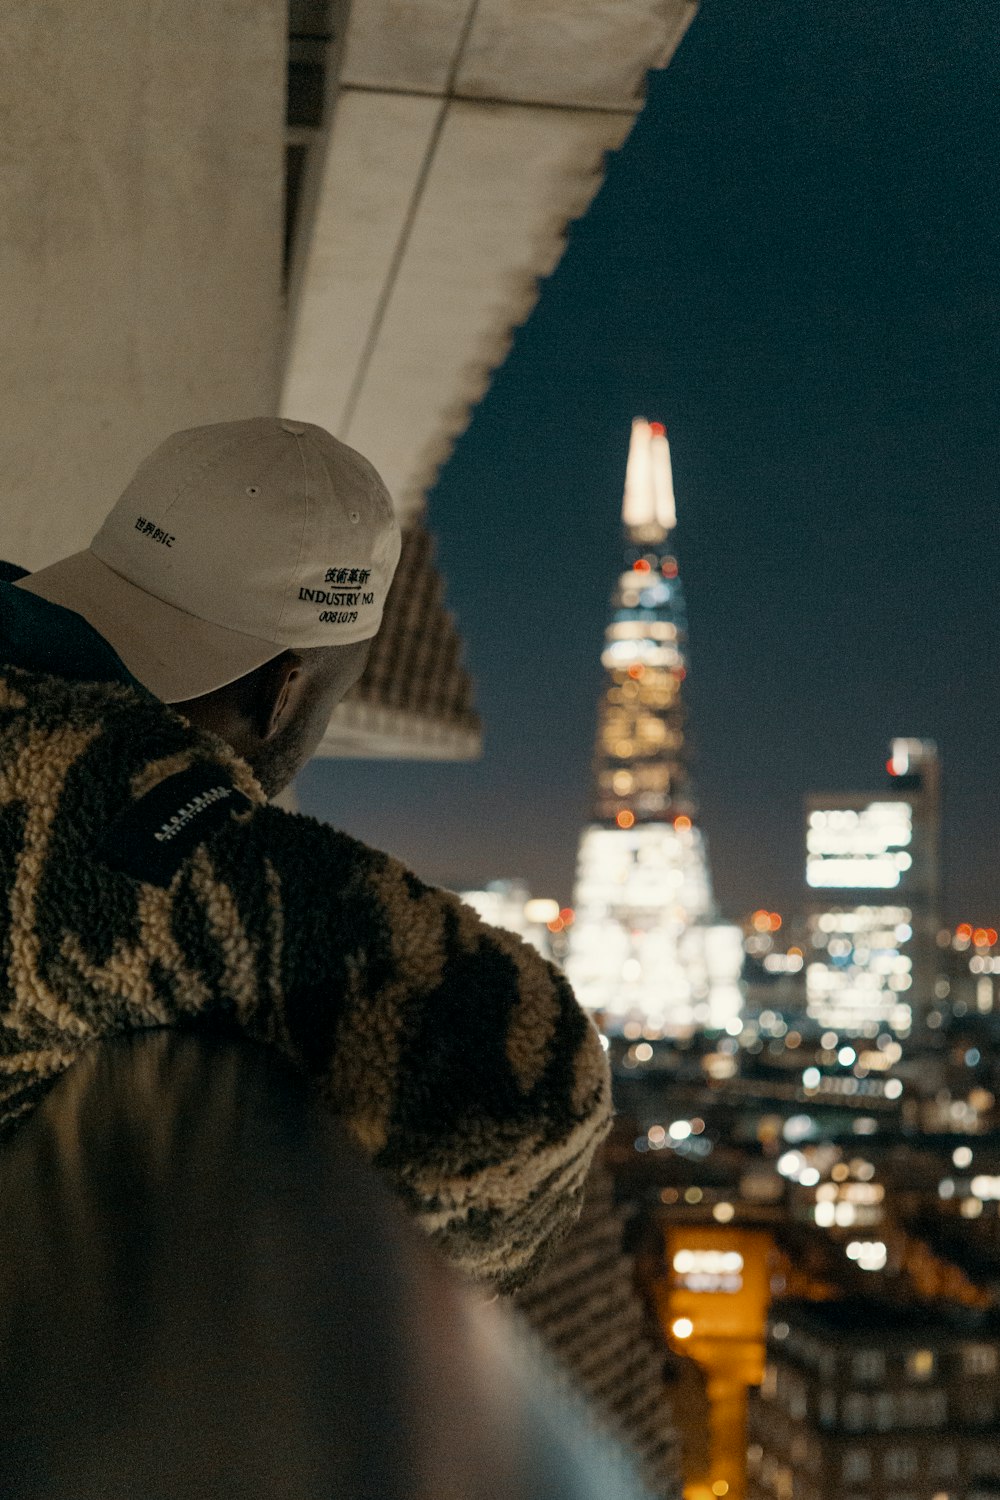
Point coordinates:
[(872, 873), (645, 949), (970, 966), (713, 1305), (866, 1398), (510, 904)]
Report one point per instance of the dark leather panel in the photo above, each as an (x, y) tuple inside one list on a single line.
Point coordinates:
[(205, 1292)]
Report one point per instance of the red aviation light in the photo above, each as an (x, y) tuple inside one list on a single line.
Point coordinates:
[(640, 565)]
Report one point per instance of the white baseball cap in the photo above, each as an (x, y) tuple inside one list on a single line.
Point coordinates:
[(232, 544)]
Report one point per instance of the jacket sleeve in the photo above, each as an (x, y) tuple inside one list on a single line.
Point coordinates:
[(457, 1057)]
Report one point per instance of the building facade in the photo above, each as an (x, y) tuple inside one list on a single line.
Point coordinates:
[(867, 1399), (645, 947), (712, 1302), (872, 872)]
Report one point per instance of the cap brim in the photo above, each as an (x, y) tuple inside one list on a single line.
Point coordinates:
[(173, 654)]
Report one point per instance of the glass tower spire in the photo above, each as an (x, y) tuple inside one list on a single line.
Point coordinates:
[(646, 953), (641, 767)]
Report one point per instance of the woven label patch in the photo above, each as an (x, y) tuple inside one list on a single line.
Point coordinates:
[(155, 836)]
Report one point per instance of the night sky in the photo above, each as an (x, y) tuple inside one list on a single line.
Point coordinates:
[(794, 264)]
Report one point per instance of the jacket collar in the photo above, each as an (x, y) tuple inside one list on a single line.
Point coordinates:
[(37, 636)]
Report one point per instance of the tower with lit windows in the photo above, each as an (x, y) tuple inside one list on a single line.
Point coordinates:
[(646, 953), (872, 874)]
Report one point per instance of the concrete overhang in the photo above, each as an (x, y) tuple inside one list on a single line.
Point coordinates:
[(464, 138)]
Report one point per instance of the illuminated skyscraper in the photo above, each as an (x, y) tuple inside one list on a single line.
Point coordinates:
[(645, 951), (872, 873)]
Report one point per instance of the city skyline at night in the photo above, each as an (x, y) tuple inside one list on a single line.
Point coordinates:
[(623, 911), (802, 284)]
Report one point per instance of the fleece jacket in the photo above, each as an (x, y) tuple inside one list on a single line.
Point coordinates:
[(145, 880)]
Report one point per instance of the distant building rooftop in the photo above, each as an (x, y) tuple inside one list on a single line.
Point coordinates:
[(862, 1318)]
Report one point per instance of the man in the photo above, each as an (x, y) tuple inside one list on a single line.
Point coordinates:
[(156, 690)]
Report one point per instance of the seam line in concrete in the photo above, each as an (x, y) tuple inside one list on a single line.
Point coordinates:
[(406, 231), (620, 111)]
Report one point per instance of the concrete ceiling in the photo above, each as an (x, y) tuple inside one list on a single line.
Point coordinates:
[(464, 138)]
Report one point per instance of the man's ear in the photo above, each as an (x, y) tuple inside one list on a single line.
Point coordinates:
[(276, 692)]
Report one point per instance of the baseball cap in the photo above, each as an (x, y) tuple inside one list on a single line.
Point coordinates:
[(231, 544)]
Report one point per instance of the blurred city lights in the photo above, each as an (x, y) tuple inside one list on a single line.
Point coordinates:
[(541, 910), (869, 1255)]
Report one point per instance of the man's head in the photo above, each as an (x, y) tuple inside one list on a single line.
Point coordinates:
[(241, 577), (275, 716)]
